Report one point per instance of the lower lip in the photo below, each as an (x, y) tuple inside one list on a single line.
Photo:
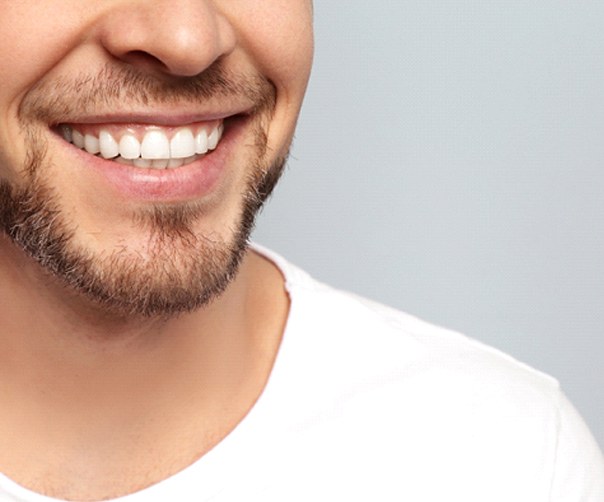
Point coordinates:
[(193, 181)]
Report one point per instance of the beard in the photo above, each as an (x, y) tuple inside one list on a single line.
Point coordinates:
[(180, 268)]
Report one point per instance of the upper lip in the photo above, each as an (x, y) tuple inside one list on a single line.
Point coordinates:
[(168, 117)]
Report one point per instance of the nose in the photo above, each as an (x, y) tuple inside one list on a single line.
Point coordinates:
[(176, 37)]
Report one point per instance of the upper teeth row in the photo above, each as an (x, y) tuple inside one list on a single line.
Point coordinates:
[(154, 145)]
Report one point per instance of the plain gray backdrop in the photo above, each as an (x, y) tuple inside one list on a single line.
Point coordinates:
[(449, 161)]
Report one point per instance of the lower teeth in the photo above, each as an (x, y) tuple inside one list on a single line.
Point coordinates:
[(156, 163)]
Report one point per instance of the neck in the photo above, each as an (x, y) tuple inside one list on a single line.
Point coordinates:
[(95, 375)]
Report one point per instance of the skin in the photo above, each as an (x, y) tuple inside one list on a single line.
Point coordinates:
[(100, 404)]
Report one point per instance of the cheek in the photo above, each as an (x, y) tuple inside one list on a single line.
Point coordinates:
[(34, 37), (278, 36), (33, 40)]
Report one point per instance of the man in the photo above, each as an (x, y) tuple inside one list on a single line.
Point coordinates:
[(148, 353)]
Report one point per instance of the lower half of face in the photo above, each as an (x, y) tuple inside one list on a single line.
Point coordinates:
[(140, 219)]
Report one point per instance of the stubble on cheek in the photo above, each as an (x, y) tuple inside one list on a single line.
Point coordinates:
[(179, 270)]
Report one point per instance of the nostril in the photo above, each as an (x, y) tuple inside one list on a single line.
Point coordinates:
[(143, 59)]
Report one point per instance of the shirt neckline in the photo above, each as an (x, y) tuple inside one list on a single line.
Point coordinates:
[(215, 462)]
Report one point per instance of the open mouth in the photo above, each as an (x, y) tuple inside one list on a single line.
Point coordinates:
[(146, 146)]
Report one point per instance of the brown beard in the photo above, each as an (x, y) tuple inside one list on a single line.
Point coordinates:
[(181, 270)]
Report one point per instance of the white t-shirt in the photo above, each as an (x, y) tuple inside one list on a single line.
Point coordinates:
[(366, 403)]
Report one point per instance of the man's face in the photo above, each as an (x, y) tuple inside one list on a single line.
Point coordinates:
[(138, 138)]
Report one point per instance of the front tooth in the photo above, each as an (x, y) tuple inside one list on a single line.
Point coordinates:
[(182, 144), (213, 139), (78, 138), (108, 145), (201, 142), (129, 146), (155, 145)]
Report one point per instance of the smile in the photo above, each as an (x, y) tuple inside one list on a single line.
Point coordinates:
[(146, 146)]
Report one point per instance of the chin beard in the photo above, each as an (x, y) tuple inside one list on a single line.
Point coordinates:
[(179, 270)]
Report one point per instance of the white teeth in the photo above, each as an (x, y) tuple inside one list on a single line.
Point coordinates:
[(201, 142), (108, 145), (155, 145), (130, 148), (77, 138), (182, 144), (155, 151), (91, 144), (213, 139)]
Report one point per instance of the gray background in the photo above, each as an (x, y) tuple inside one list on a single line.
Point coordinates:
[(449, 162)]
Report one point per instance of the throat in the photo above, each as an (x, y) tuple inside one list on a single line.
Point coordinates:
[(91, 472), (103, 423)]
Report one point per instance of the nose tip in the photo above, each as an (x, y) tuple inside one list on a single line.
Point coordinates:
[(176, 37)]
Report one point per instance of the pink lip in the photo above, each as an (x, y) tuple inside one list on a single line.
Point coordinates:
[(192, 181), (168, 117)]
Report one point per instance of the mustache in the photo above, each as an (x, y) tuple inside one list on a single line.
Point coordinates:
[(117, 86)]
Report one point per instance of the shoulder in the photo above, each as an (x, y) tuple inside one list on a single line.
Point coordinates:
[(389, 340), (420, 398), (381, 358), (366, 338)]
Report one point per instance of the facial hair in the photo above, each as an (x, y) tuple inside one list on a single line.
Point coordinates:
[(181, 269)]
